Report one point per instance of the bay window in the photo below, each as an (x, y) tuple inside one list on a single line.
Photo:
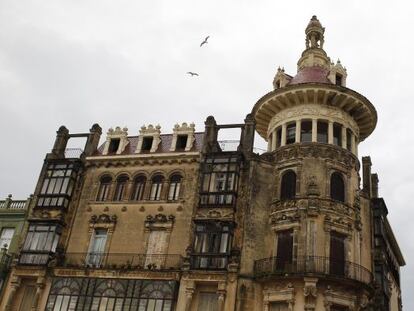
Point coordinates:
[(41, 241)]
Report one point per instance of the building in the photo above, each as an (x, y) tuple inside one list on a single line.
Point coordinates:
[(178, 222), (13, 214)]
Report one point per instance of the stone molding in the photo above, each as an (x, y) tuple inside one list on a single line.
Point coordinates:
[(286, 295), (184, 129), (317, 150), (118, 133), (150, 131)]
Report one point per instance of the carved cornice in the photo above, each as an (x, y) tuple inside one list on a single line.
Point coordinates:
[(316, 150)]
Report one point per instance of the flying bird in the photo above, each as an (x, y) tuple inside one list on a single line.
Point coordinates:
[(205, 41), (192, 73)]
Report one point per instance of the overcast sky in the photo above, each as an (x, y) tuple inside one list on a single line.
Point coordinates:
[(125, 62)]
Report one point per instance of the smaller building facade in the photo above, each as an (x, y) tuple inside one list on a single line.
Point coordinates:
[(13, 214)]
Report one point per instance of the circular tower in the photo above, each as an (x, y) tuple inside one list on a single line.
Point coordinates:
[(320, 222)]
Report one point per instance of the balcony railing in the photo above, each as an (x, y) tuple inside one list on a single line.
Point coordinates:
[(35, 258), (209, 261), (126, 261), (314, 265)]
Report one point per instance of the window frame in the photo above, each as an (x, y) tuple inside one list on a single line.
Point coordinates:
[(58, 185), (3, 239), (156, 187), (138, 188), (337, 191), (285, 185), (104, 188), (120, 187), (174, 189)]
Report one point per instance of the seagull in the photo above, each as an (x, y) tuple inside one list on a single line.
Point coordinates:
[(192, 73), (205, 41)]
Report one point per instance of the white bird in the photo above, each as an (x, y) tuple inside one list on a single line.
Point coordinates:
[(192, 73), (205, 41)]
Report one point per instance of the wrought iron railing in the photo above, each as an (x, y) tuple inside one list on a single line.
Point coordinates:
[(73, 153), (317, 265), (209, 261), (126, 261)]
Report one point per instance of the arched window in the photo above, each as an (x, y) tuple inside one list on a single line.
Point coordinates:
[(288, 186), (104, 187), (121, 183), (337, 187), (156, 187), (175, 185), (139, 187)]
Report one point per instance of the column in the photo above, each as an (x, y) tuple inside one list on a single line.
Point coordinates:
[(314, 130), (330, 132), (14, 286), (297, 134), (221, 292), (189, 292), (274, 139), (343, 143), (283, 142), (353, 144), (39, 289)]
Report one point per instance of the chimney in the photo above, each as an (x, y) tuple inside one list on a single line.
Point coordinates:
[(93, 140), (374, 181), (62, 137), (210, 136), (366, 175), (247, 135)]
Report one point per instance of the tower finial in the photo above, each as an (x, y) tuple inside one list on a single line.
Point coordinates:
[(314, 34)]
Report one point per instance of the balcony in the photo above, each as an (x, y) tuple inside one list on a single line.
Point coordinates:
[(313, 266), (218, 199), (209, 261), (128, 261)]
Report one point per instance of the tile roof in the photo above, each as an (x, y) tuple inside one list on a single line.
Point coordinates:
[(311, 74), (163, 147)]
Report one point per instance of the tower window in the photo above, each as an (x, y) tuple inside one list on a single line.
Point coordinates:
[(337, 134), (181, 142), (338, 79), (278, 137), (290, 133), (114, 145), (288, 186), (322, 136), (147, 143), (337, 187), (306, 131), (349, 139)]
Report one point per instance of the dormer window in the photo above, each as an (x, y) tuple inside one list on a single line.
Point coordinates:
[(181, 142), (338, 79), (114, 145), (147, 143)]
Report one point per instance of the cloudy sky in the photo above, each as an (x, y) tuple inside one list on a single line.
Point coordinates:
[(124, 63)]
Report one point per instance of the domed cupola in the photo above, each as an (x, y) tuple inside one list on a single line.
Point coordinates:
[(314, 106)]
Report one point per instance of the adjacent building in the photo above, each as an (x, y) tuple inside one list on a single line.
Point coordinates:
[(13, 214), (177, 221)]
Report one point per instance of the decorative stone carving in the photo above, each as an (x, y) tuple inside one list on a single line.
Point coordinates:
[(159, 221), (215, 214), (310, 292), (284, 294), (184, 129), (331, 152), (312, 187), (150, 131), (337, 69), (118, 133), (337, 297)]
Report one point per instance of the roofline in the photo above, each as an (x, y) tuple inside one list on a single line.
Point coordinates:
[(394, 243)]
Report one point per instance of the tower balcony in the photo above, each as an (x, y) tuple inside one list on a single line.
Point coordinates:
[(313, 266)]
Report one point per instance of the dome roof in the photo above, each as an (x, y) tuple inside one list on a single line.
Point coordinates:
[(311, 75), (314, 23)]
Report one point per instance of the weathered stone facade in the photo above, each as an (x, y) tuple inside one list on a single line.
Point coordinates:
[(177, 222)]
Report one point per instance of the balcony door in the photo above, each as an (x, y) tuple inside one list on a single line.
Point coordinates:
[(97, 248), (284, 250), (337, 254)]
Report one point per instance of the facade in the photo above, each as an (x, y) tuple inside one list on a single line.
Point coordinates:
[(13, 214), (178, 222)]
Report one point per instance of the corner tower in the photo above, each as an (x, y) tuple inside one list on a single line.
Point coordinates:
[(317, 255)]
